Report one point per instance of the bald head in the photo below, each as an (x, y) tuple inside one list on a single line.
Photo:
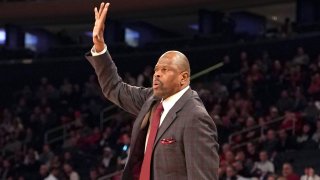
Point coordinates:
[(179, 59)]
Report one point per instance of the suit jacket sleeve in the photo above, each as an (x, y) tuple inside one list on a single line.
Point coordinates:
[(201, 147), (130, 98)]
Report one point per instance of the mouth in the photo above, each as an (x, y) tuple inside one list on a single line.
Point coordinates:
[(156, 84)]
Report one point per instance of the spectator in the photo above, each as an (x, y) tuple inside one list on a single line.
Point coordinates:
[(73, 139), (314, 88), (105, 137), (231, 174), (241, 169), (276, 76), (309, 174), (316, 134), (300, 101), (6, 172), (220, 92), (225, 148), (101, 170), (90, 140), (273, 177), (94, 174), (244, 62), (285, 142), (255, 73), (31, 161), (250, 123), (305, 140), (240, 156), (91, 88), (295, 76), (68, 158), (71, 174), (288, 173), (28, 139), (66, 90), (251, 154), (123, 149), (301, 58), (285, 102), (46, 156), (229, 157), (108, 159), (273, 113), (290, 122), (270, 143), (56, 162), (144, 79), (264, 166), (312, 111), (54, 174), (43, 172)]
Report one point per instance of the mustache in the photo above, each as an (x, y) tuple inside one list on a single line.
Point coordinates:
[(156, 80)]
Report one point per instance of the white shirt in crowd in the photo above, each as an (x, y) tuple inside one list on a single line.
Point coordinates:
[(305, 177), (265, 166), (74, 176), (51, 177)]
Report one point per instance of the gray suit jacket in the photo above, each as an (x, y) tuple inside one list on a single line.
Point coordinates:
[(192, 153)]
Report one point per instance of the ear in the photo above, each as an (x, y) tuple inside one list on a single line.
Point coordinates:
[(184, 78)]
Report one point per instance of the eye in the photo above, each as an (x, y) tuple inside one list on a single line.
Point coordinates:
[(164, 69)]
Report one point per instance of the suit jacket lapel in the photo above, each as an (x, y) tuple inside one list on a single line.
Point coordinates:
[(145, 110), (171, 116)]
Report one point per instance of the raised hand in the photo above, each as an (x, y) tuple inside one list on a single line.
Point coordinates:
[(98, 30)]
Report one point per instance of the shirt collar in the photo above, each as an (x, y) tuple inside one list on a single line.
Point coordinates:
[(169, 102)]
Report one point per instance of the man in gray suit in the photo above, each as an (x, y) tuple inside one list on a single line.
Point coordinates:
[(173, 136)]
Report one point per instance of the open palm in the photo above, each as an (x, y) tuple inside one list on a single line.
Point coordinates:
[(99, 25)]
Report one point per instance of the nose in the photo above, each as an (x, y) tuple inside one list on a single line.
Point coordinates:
[(156, 74)]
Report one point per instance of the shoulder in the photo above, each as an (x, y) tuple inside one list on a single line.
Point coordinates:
[(195, 105), (194, 113)]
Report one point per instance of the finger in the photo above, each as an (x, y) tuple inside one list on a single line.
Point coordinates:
[(101, 9), (96, 13), (105, 11)]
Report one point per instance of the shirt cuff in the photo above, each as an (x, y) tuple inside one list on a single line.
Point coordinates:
[(95, 53)]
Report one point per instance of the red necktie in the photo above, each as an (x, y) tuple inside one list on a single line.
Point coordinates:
[(145, 169)]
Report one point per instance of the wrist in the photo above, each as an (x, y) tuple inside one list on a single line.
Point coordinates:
[(99, 47)]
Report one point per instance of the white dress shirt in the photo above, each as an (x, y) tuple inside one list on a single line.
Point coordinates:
[(95, 53), (170, 102)]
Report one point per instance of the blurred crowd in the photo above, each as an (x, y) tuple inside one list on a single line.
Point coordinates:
[(275, 105), (244, 94)]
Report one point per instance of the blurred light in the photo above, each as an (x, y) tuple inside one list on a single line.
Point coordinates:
[(27, 61), (30, 41), (88, 33), (125, 148), (275, 18), (132, 37), (3, 36), (194, 26)]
